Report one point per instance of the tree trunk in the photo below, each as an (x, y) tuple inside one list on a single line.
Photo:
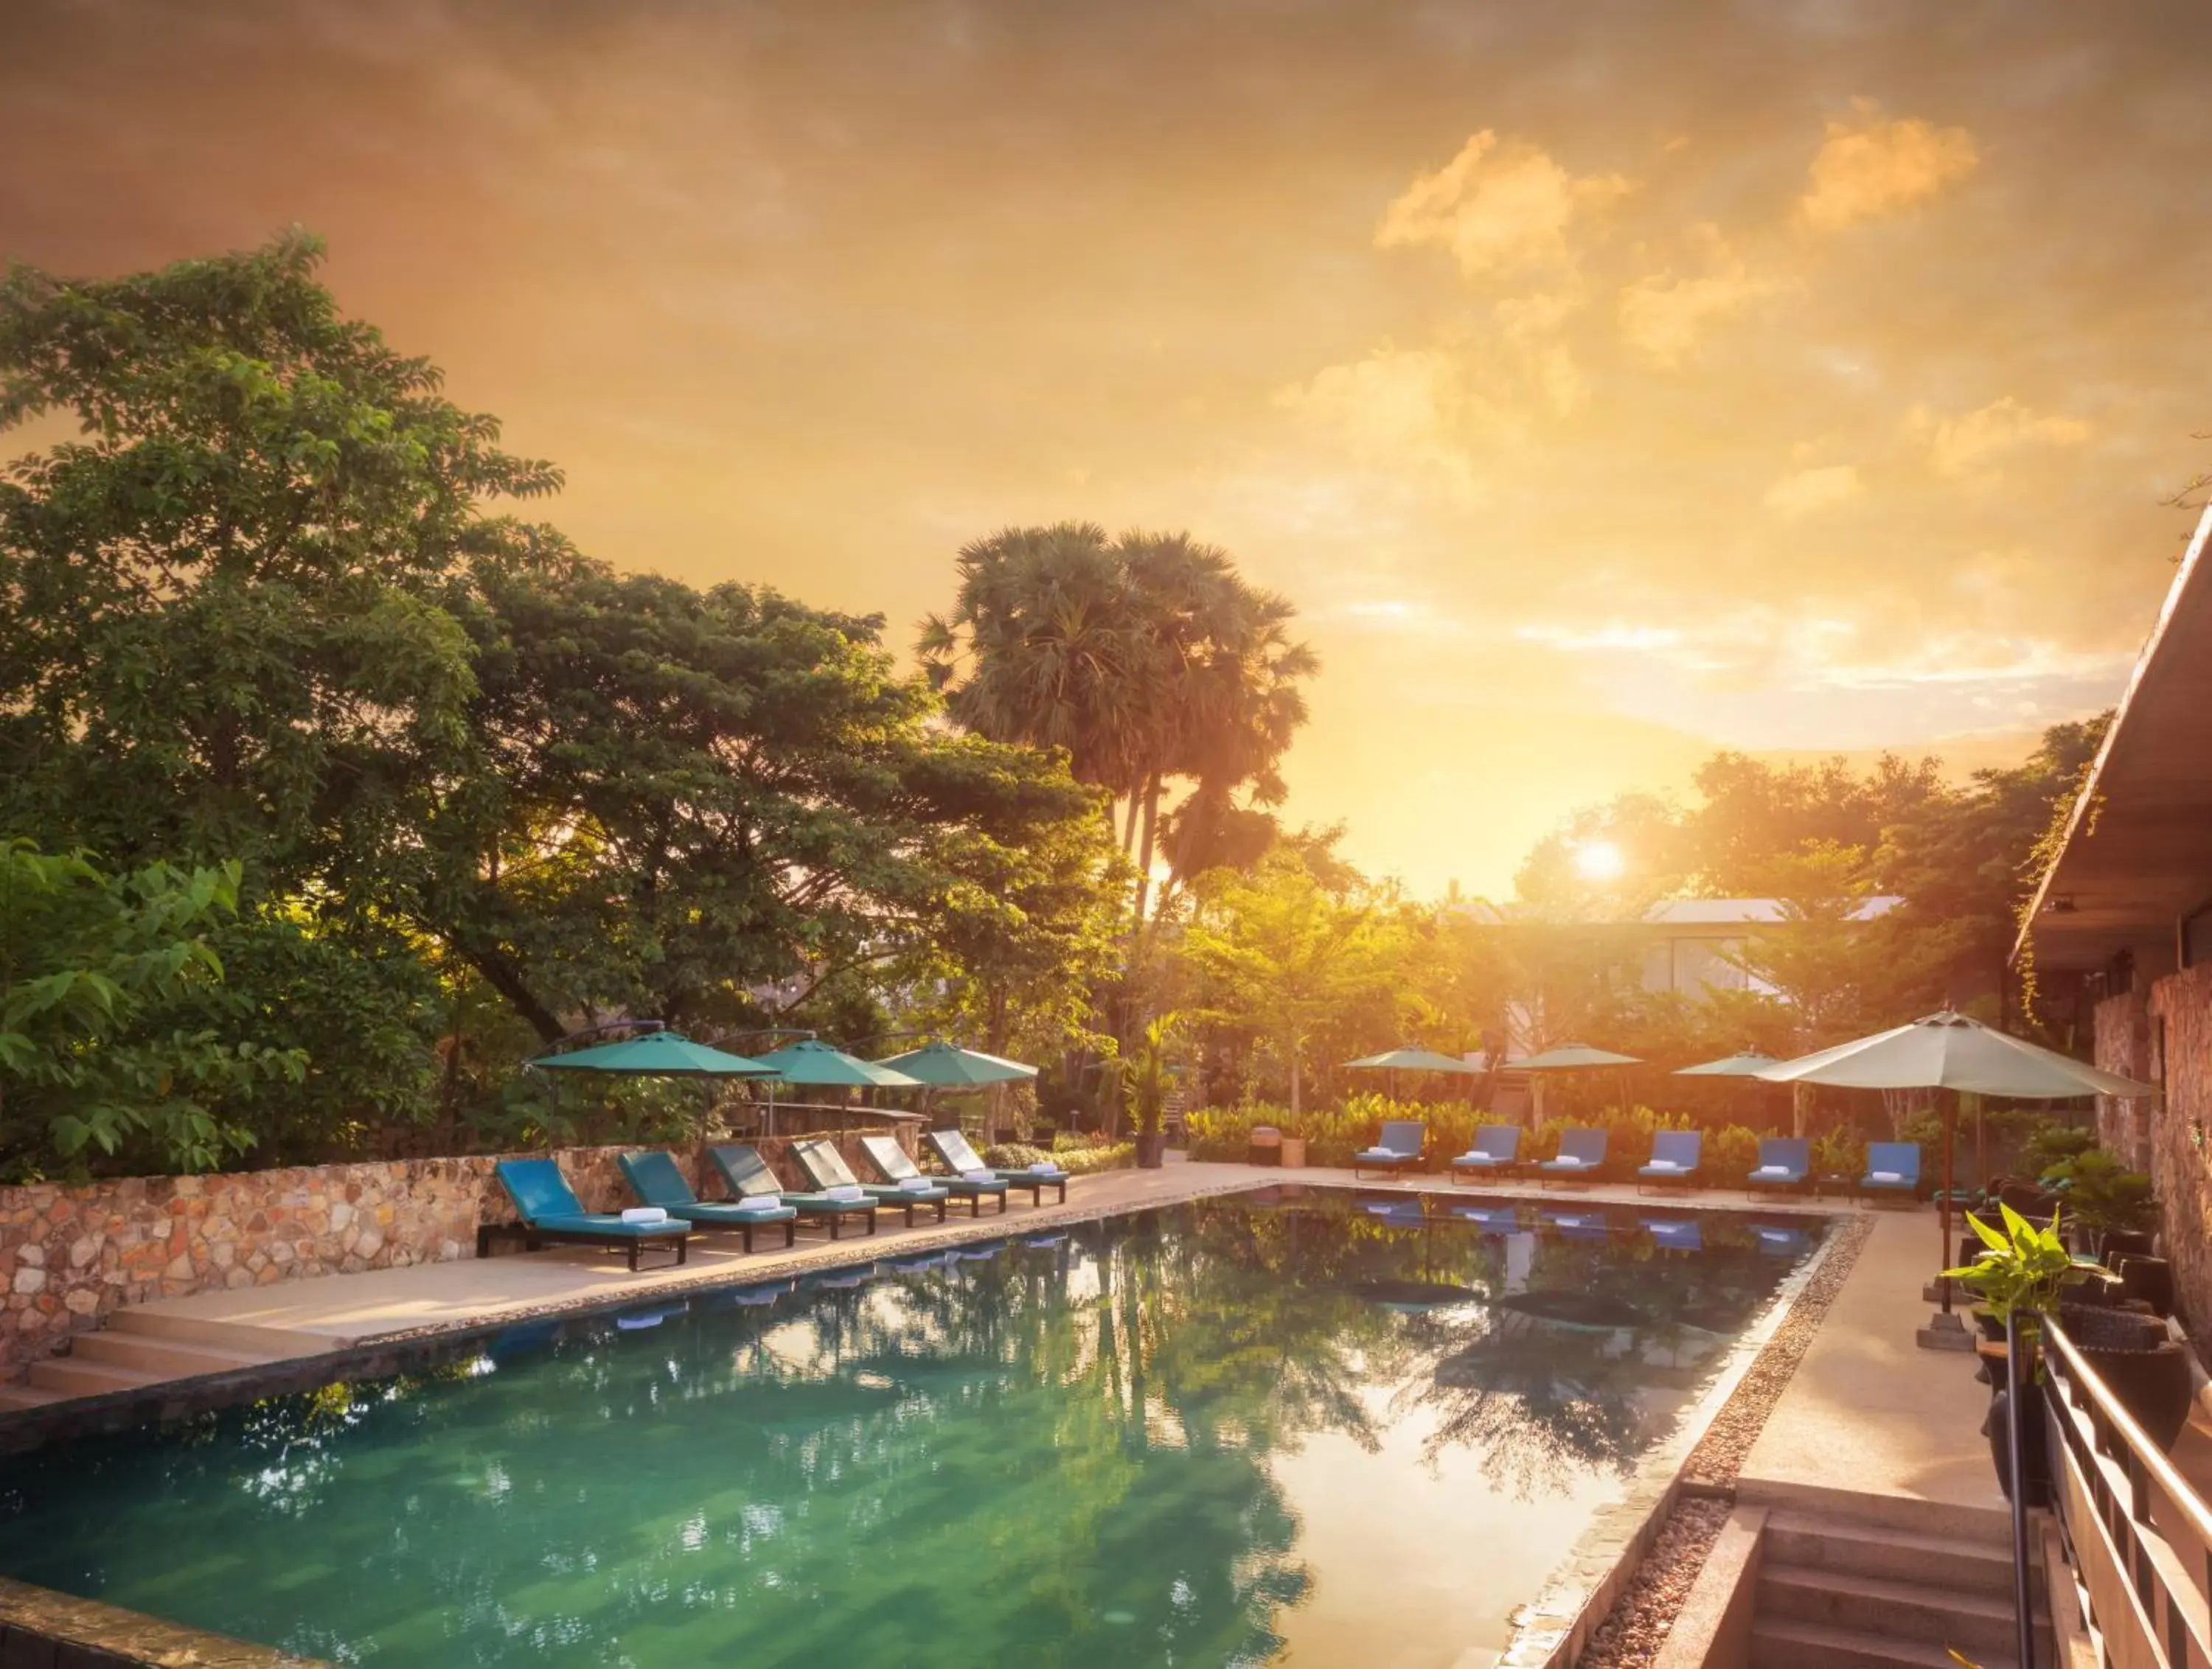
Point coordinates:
[(1800, 1098), (1130, 823), (1298, 1084), (1145, 856), (502, 976)]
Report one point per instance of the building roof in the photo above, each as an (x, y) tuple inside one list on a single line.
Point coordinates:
[(1677, 912), (2137, 853)]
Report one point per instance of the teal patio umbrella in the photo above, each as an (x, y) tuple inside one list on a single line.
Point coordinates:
[(812, 1061), (948, 1066), (1410, 1059), (656, 1054), (1568, 1058)]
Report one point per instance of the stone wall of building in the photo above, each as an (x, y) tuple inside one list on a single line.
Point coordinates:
[(2165, 1039), (70, 1255)]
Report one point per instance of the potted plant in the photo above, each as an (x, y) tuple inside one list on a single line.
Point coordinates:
[(1293, 1154), (2106, 1198), (2021, 1274), (1145, 1075)]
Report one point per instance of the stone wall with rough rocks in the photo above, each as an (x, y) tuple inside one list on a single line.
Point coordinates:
[(70, 1255), (2165, 1038)]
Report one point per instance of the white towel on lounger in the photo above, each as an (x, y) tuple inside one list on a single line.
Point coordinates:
[(846, 1193), (1885, 1176), (1772, 1173), (915, 1185), (761, 1205), (977, 1176), (644, 1214)]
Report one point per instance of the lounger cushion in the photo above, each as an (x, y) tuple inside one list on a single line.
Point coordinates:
[(604, 1222)]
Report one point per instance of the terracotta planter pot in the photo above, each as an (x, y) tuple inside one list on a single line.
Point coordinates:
[(1293, 1153), (1151, 1149)]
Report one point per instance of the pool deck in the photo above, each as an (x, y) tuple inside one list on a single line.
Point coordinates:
[(1870, 1415)]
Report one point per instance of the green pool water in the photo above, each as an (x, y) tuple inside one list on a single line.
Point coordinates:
[(1238, 1432)]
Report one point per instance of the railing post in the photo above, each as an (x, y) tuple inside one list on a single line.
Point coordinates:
[(2016, 1385)]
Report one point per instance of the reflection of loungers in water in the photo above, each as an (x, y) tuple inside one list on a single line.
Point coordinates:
[(1782, 1242), (1415, 1297), (922, 1265), (1597, 1311), (521, 1341), (1490, 1219), (757, 1297), (1043, 1240), (639, 1320), (1407, 1213), (1676, 1233), (978, 1253), (1579, 1228), (843, 1281)]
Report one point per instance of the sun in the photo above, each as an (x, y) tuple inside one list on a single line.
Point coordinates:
[(1600, 860)]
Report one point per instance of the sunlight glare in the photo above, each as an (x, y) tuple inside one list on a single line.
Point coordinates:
[(1598, 860)]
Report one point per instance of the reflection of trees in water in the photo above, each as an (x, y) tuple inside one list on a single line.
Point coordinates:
[(1084, 1426)]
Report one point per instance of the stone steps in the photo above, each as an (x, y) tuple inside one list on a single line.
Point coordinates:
[(137, 1349), (1842, 1592), (269, 1343), (24, 1396), (156, 1357), (1810, 1646)]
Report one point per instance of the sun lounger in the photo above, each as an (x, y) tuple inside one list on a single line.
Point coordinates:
[(1676, 1157), (1399, 1147), (884, 1153), (953, 1149), (747, 1176), (550, 1211), (1892, 1167), (826, 1168), (1582, 1155), (655, 1179), (1497, 1151), (1675, 1234), (1783, 1163)]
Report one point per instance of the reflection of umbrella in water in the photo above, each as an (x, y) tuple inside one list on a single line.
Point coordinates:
[(1594, 1312), (1415, 1297)]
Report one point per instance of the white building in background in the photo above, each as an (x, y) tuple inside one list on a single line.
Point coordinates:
[(1696, 942)]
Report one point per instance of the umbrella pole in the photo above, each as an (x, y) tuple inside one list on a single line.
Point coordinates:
[(1945, 1330)]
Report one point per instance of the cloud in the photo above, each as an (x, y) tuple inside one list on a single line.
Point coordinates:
[(1971, 444), (1500, 204), (1399, 407), (1662, 316), (1802, 492), (1867, 167), (1530, 326)]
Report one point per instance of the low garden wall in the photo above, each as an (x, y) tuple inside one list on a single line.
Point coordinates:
[(70, 1255)]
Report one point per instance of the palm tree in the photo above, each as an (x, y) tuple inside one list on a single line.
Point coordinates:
[(1148, 657)]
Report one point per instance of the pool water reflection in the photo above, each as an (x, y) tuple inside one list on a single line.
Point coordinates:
[(1344, 1429)]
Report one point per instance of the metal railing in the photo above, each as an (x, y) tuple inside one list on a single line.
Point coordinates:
[(2137, 1532)]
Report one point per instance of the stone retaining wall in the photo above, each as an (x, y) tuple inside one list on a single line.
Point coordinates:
[(2165, 1038), (70, 1255)]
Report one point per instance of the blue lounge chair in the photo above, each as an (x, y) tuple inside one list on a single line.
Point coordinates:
[(1398, 1148), (1497, 1151), (1892, 1167), (953, 1150), (655, 1179), (1676, 1157), (898, 1171), (550, 1211), (747, 1176), (826, 1168), (1783, 1163), (1582, 1153)]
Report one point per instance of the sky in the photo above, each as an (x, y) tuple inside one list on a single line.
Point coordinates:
[(1606, 383)]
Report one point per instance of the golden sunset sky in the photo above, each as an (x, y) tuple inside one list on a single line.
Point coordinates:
[(1605, 382)]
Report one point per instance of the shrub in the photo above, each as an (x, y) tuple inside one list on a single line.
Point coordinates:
[(1730, 1155), (1081, 1156), (1839, 1152)]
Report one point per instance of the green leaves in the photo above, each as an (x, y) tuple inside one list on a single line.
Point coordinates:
[(103, 984), (2026, 1267)]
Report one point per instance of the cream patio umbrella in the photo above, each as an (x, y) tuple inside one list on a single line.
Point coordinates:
[(1951, 1052), (1567, 1057)]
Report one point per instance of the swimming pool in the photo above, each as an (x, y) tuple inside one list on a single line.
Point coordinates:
[(1346, 1429)]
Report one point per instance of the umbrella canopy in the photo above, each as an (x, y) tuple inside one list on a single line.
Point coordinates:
[(656, 1054), (1736, 1065), (1951, 1052), (1570, 1056), (811, 1061), (946, 1065), (1411, 1060)]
